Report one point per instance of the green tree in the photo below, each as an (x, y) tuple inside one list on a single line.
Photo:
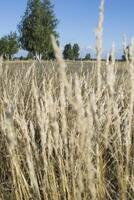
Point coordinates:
[(30, 56), (31, 28), (36, 26), (13, 44), (76, 50), (87, 56), (4, 47), (50, 23), (68, 52), (9, 45), (48, 54)]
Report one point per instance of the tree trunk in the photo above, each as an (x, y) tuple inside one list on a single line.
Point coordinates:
[(38, 56)]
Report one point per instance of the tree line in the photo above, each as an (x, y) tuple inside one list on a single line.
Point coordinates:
[(34, 30), (72, 52)]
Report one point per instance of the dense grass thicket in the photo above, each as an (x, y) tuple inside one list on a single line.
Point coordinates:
[(61, 138)]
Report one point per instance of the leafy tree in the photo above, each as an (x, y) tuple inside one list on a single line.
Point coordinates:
[(68, 52), (13, 45), (76, 50), (71, 52), (30, 56), (4, 47), (9, 45), (50, 24), (31, 28), (49, 54), (87, 56), (36, 26)]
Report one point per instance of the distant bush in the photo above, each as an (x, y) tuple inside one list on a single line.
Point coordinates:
[(87, 56)]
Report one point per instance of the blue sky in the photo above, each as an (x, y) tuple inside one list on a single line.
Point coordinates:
[(78, 19)]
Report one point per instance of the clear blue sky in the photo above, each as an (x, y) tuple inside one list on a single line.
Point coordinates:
[(78, 19)]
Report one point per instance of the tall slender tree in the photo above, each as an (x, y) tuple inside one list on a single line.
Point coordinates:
[(50, 23), (30, 28)]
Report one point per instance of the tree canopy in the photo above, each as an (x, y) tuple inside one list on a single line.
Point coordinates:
[(9, 45), (87, 56), (36, 26), (71, 52), (76, 50), (68, 52)]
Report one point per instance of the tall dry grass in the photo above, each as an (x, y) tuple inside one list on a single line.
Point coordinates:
[(67, 133)]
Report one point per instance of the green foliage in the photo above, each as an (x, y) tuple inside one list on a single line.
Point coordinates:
[(30, 56), (31, 29), (3, 46), (68, 52), (87, 56), (49, 23), (71, 52), (13, 45), (36, 26), (9, 45), (76, 50)]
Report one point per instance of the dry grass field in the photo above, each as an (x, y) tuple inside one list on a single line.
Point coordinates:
[(61, 138), (67, 129)]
